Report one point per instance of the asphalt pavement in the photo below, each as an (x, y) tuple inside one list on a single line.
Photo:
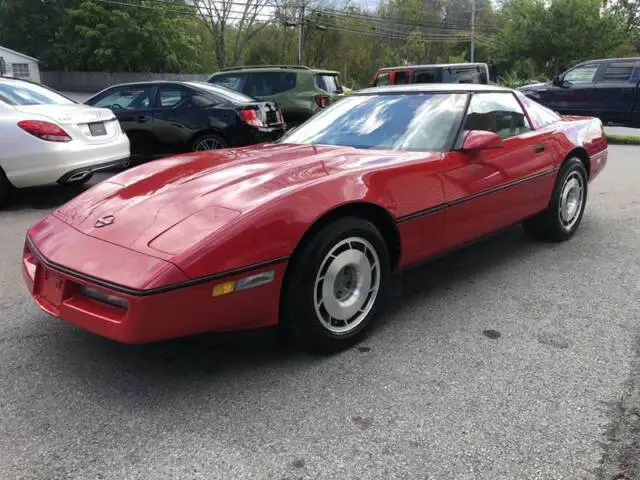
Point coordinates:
[(510, 359)]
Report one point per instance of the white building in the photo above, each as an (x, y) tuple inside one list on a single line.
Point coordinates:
[(18, 65)]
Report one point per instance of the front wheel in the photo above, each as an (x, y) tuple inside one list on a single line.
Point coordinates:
[(335, 285), (560, 220)]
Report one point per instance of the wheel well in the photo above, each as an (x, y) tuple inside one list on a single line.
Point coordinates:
[(368, 211), (202, 133), (582, 154)]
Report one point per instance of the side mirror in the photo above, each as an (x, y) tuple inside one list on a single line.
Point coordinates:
[(481, 140), (557, 81)]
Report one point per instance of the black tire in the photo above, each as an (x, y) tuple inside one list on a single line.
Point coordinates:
[(5, 187), (208, 137), (300, 319), (549, 224)]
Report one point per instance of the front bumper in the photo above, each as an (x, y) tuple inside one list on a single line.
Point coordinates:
[(159, 313)]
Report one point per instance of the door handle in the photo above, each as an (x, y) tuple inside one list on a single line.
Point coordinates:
[(538, 148)]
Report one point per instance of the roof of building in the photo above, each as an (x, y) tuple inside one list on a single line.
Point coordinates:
[(18, 53)]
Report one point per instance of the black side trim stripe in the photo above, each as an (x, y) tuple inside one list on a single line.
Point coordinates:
[(153, 291), (442, 206)]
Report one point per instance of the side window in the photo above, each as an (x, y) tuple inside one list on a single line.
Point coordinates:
[(382, 80), (328, 83), (232, 81), (425, 76), (461, 75), (401, 78), (270, 83), (541, 116), (125, 98), (496, 112), (171, 97), (583, 74), (618, 72)]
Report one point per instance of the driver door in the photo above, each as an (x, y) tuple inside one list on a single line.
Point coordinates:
[(575, 95), (490, 189)]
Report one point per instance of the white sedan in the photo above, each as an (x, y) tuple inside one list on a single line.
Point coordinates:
[(46, 138)]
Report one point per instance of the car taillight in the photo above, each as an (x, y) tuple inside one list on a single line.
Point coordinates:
[(45, 130), (322, 101), (250, 116)]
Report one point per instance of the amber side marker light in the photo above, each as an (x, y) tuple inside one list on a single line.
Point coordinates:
[(243, 283)]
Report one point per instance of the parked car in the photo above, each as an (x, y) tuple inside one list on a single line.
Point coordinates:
[(46, 138), (607, 89), (299, 91), (443, 73), (307, 231), (163, 118)]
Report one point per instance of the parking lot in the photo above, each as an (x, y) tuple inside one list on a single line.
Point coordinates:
[(506, 360)]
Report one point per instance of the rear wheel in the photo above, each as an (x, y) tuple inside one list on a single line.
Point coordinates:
[(209, 141), (562, 217), (335, 285)]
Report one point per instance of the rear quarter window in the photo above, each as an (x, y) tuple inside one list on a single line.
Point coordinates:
[(540, 116), (328, 83), (618, 72)]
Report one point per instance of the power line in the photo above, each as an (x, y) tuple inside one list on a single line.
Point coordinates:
[(192, 14)]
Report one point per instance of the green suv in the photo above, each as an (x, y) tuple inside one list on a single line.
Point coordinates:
[(299, 91)]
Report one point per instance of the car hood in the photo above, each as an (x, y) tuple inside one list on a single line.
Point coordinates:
[(135, 208), (68, 113)]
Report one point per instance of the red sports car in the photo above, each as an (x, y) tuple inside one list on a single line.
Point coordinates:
[(307, 231)]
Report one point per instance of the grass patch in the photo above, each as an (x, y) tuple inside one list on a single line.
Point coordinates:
[(623, 139)]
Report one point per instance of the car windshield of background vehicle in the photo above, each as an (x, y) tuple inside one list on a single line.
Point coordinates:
[(585, 74), (21, 93), (422, 122)]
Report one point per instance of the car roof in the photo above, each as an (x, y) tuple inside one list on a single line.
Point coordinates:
[(275, 68), (602, 60), (434, 88), (228, 94), (432, 65)]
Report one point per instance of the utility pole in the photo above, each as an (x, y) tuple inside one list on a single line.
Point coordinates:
[(301, 33), (473, 30)]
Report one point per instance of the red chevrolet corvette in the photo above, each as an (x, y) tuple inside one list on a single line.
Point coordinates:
[(307, 231)]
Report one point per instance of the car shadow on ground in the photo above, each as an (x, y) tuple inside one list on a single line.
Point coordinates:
[(201, 357), (51, 196), (43, 198)]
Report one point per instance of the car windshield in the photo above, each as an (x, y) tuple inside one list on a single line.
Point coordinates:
[(23, 93), (412, 122), (228, 94)]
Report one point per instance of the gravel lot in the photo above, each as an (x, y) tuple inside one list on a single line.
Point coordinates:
[(431, 394)]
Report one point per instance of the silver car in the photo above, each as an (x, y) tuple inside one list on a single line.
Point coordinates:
[(46, 138)]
